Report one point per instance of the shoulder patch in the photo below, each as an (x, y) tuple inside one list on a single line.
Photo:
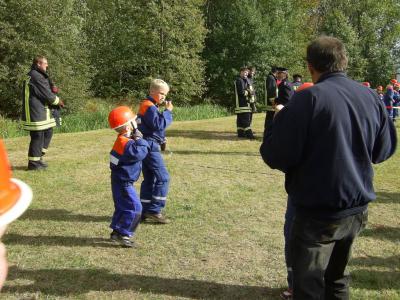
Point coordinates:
[(144, 106), (119, 144)]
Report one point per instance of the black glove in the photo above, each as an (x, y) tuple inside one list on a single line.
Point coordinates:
[(136, 134), (163, 146)]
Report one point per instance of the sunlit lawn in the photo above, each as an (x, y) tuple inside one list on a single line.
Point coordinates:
[(225, 240)]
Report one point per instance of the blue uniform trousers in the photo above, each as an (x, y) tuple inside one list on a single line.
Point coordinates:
[(154, 188), (128, 209)]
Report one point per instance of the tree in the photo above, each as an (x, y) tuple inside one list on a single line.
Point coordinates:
[(370, 30), (39, 27), (134, 42), (258, 33)]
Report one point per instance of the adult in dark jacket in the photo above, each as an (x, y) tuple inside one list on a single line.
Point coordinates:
[(271, 92), (36, 114), (285, 88), (243, 109), (325, 141)]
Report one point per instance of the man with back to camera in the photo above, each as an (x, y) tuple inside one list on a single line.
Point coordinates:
[(325, 141)]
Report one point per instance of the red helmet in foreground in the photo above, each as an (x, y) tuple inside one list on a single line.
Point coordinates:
[(15, 195), (120, 116)]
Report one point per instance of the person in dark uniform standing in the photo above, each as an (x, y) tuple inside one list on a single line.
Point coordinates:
[(36, 117), (285, 88), (271, 92), (243, 109)]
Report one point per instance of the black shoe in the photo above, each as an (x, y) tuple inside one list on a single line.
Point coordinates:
[(240, 133), (35, 166), (122, 240), (155, 218)]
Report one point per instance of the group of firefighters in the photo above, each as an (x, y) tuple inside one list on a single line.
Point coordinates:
[(278, 90)]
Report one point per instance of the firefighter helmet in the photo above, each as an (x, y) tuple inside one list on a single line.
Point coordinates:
[(15, 195), (393, 81), (120, 116), (304, 86)]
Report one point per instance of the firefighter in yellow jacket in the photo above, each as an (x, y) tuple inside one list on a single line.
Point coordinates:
[(36, 114)]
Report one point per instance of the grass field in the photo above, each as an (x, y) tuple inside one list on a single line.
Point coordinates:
[(226, 236)]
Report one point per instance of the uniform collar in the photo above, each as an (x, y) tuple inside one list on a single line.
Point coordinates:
[(327, 75)]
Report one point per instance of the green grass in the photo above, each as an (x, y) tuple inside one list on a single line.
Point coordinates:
[(226, 236), (94, 115)]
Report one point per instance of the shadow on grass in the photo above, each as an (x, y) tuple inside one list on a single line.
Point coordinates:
[(207, 135), (382, 232), (370, 261), (61, 215), (19, 168), (386, 197), (375, 280), (74, 282), (196, 152), (67, 241)]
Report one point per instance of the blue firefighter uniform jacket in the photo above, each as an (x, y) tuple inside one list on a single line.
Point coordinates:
[(325, 141), (126, 163), (241, 96), (151, 122), (37, 97), (126, 158)]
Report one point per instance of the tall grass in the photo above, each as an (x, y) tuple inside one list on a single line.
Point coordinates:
[(95, 113)]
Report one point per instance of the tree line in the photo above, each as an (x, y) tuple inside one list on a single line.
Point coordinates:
[(113, 48)]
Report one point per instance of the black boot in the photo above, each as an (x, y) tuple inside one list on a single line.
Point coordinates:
[(35, 165), (250, 135), (240, 133)]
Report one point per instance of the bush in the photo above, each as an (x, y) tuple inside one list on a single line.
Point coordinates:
[(94, 115)]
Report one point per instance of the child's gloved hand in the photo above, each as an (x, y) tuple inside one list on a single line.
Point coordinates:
[(136, 134)]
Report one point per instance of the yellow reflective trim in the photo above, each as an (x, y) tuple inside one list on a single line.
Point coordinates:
[(33, 127), (33, 158), (56, 101), (38, 123), (27, 114), (44, 150)]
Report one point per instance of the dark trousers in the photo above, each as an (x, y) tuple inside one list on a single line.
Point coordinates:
[(289, 216), (269, 116), (243, 124), (40, 141), (320, 251)]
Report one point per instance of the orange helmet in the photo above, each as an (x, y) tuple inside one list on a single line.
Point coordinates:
[(304, 86), (366, 83), (120, 116), (393, 81), (15, 195)]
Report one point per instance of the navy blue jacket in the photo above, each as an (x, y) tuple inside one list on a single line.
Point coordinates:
[(325, 140), (151, 122), (126, 158)]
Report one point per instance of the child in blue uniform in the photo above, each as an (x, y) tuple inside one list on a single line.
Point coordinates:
[(152, 123), (125, 163)]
